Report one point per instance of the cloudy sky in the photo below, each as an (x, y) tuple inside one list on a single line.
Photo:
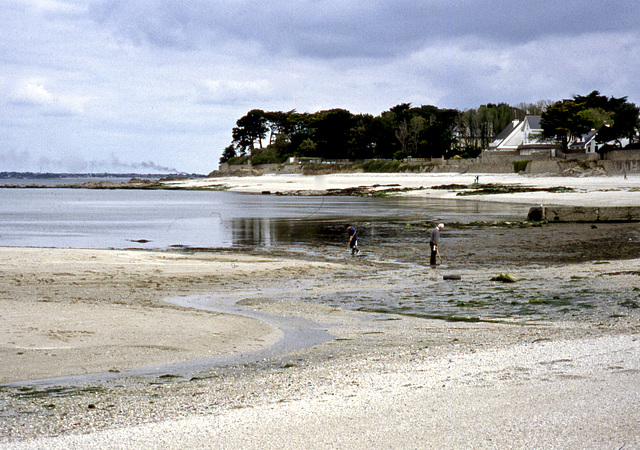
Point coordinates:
[(145, 86)]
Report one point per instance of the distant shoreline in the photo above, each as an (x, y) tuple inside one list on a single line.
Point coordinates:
[(544, 189), (39, 175), (43, 180)]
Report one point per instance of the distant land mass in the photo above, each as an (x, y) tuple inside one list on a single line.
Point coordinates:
[(49, 175)]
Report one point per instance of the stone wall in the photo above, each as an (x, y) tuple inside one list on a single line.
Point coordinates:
[(285, 169), (622, 155), (543, 166), (620, 167), (503, 157), (585, 214), (617, 162)]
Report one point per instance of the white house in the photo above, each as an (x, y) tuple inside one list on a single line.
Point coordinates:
[(522, 137), (585, 144), (525, 138)]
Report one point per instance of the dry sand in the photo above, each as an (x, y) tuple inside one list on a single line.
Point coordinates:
[(384, 381)]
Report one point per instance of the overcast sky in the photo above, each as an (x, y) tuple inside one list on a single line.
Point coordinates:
[(144, 85)]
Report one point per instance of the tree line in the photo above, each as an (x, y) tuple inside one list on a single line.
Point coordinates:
[(615, 119), (420, 132)]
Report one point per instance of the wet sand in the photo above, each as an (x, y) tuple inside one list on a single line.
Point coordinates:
[(383, 381), (76, 311)]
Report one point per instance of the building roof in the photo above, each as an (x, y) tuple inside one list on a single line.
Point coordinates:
[(533, 122), (519, 135), (584, 139), (507, 131)]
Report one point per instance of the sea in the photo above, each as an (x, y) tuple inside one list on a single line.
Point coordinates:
[(162, 219)]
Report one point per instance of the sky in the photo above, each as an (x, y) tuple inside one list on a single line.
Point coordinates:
[(156, 86)]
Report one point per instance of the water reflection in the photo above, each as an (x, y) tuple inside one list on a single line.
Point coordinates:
[(266, 232), (252, 231), (78, 218)]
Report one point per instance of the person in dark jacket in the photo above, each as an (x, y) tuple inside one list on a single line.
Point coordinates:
[(353, 239), (434, 242)]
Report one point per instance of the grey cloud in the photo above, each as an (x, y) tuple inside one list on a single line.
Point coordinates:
[(164, 24), (329, 29)]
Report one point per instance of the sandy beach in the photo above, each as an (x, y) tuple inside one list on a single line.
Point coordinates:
[(377, 381), (612, 190)]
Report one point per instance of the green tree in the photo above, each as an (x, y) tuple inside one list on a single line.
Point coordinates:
[(331, 131), (227, 154), (613, 118), (436, 137), (478, 127), (361, 143), (308, 147), (402, 135), (424, 131), (416, 128), (269, 155), (624, 124), (250, 129), (402, 112), (278, 123), (281, 143), (385, 144), (393, 131), (598, 117), (563, 121), (626, 120)]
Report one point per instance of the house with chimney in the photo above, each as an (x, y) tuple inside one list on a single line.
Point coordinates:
[(524, 137)]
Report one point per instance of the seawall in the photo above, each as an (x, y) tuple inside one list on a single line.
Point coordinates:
[(487, 163), (585, 214)]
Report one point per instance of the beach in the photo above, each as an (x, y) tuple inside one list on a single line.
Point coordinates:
[(614, 190), (367, 380)]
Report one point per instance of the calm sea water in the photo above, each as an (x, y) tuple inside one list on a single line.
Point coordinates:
[(159, 219)]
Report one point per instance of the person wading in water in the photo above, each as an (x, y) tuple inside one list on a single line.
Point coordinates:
[(434, 242), (353, 239)]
